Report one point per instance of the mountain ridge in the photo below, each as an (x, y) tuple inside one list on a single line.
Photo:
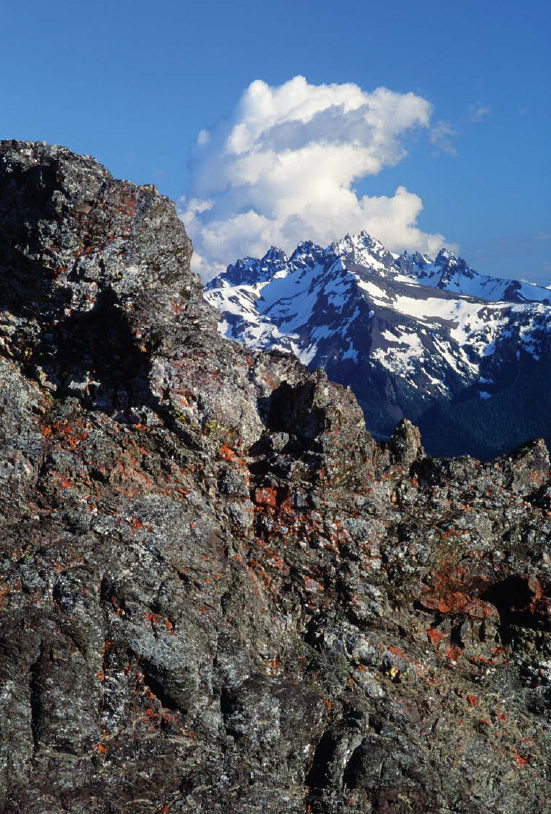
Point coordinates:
[(419, 332)]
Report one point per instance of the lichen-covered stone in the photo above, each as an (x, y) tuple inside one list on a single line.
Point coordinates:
[(217, 593)]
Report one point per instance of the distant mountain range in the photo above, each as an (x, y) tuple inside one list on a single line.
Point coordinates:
[(465, 356)]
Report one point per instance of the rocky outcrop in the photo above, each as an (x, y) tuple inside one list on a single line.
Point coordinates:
[(217, 593)]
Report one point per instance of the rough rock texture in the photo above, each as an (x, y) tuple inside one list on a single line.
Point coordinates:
[(217, 593)]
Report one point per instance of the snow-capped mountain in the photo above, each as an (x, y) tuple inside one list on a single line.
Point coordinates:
[(410, 334)]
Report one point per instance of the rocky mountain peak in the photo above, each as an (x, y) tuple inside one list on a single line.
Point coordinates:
[(274, 255), (306, 253), (362, 249), (445, 257), (98, 261)]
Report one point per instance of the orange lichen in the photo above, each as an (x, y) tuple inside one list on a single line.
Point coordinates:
[(435, 636), (519, 760), (265, 496)]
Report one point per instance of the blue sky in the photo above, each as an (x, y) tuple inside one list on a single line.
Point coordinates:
[(133, 83)]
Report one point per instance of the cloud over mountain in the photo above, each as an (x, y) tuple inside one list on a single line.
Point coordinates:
[(283, 166)]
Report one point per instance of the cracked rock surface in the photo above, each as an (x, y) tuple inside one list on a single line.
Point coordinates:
[(217, 592)]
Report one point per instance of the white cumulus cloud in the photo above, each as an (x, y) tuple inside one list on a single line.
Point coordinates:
[(282, 169)]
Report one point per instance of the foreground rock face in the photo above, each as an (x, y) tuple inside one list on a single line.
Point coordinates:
[(217, 592)]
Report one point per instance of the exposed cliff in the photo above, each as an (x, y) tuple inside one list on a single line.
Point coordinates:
[(217, 592)]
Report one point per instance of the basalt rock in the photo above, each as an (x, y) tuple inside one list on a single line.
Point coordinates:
[(217, 592)]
